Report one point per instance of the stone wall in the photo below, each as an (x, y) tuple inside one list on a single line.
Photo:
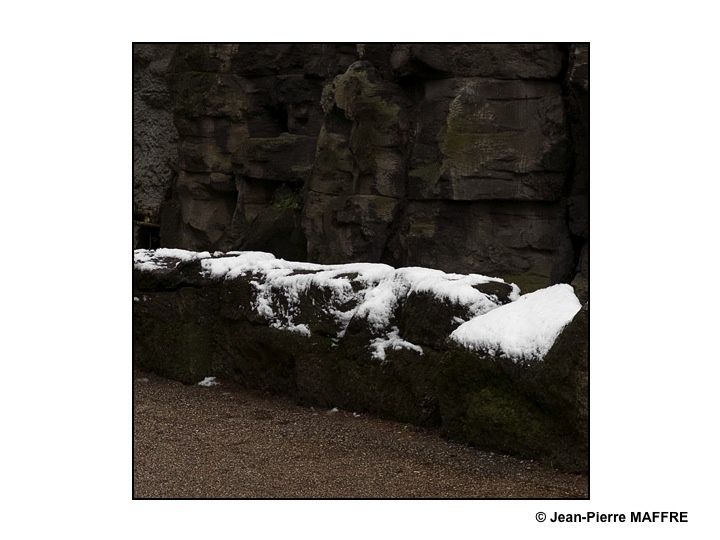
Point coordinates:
[(324, 336), (467, 158)]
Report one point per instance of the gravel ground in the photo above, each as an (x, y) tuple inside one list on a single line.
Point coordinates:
[(225, 441)]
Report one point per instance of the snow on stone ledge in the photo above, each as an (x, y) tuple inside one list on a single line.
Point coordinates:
[(372, 290), (391, 341), (159, 259), (522, 330)]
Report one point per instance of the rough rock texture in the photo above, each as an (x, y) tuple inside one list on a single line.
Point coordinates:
[(578, 104), (463, 157), (155, 151), (248, 117), (189, 324)]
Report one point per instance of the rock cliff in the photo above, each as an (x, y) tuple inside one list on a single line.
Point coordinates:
[(155, 152), (462, 157)]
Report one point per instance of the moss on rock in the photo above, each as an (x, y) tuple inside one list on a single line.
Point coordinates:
[(188, 328)]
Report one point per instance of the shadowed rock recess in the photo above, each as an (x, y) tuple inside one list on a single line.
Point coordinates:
[(413, 344), (465, 158), (462, 157)]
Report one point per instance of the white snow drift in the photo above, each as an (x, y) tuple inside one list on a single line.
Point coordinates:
[(525, 328)]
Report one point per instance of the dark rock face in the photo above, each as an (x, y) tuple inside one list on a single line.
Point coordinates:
[(155, 151), (359, 176), (248, 118), (523, 242), (578, 105), (510, 61), (463, 157), (189, 323)]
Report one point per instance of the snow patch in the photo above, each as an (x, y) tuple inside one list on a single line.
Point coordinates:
[(522, 330), (301, 329), (391, 341), (455, 288), (148, 260), (208, 381)]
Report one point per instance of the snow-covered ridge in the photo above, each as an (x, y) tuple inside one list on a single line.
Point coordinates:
[(372, 292)]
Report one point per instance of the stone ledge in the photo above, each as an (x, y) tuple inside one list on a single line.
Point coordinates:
[(314, 332)]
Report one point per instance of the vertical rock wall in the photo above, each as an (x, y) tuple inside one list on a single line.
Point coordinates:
[(463, 157), (155, 151)]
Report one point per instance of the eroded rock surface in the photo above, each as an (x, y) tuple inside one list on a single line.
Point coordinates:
[(155, 150), (462, 157)]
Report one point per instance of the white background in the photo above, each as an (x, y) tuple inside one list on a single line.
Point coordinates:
[(65, 93)]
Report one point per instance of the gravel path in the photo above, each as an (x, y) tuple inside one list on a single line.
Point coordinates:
[(224, 441)]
